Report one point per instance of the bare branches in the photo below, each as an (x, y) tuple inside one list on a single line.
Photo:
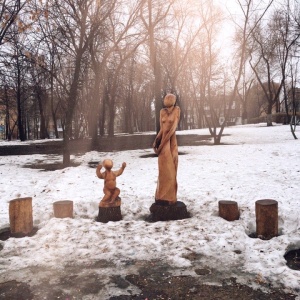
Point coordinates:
[(107, 60), (9, 11)]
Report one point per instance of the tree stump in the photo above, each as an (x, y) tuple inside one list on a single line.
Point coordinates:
[(168, 212), (110, 211), (63, 209), (20, 216), (229, 210), (266, 211), (107, 214)]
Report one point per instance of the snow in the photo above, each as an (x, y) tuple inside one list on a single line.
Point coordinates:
[(255, 162)]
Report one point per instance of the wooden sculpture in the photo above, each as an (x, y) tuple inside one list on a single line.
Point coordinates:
[(111, 192), (165, 146)]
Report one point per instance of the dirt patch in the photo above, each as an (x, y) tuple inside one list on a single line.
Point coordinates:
[(151, 155), (253, 235), (131, 280), (188, 287), (5, 234), (103, 144), (156, 282), (15, 290), (50, 167), (293, 259)]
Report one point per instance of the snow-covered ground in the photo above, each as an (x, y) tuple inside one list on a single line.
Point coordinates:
[(256, 162)]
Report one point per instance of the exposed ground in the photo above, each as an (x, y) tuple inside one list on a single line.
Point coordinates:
[(135, 280), (117, 143)]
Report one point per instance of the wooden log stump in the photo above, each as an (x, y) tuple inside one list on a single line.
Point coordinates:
[(20, 216), (110, 211), (63, 209), (229, 210), (160, 212), (266, 211), (107, 214)]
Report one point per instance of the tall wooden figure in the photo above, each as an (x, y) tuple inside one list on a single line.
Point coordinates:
[(165, 146)]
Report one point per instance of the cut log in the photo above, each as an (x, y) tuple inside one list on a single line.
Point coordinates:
[(20, 216), (266, 211), (107, 214), (63, 209), (229, 210), (168, 212)]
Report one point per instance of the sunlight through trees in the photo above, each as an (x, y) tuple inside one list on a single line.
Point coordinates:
[(80, 69)]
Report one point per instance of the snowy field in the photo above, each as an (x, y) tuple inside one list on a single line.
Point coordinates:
[(256, 162)]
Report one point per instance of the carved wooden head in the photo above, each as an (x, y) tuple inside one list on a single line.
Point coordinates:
[(169, 100), (108, 164)]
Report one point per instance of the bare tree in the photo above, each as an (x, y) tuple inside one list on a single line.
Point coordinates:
[(212, 106), (252, 17), (138, 95), (266, 67), (181, 39), (7, 100), (16, 68), (284, 24), (46, 36), (9, 11), (270, 54), (77, 21), (99, 52), (154, 15), (292, 103), (113, 47)]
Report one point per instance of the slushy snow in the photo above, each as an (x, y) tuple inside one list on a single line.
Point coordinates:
[(255, 162)]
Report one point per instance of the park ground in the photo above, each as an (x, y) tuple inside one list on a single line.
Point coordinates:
[(132, 278)]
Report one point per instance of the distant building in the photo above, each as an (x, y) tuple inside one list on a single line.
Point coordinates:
[(198, 115)]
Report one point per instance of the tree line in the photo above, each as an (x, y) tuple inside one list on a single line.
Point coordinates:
[(89, 66)]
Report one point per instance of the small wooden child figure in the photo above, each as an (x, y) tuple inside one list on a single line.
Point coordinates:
[(111, 192)]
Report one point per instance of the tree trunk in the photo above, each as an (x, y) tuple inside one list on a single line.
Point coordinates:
[(94, 110), (217, 139), (158, 97), (67, 137), (71, 103), (93, 124), (129, 115), (103, 113), (294, 114), (55, 124), (269, 119), (22, 134), (66, 144), (244, 115), (52, 103), (111, 125), (112, 113), (102, 120), (43, 128), (8, 131)]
